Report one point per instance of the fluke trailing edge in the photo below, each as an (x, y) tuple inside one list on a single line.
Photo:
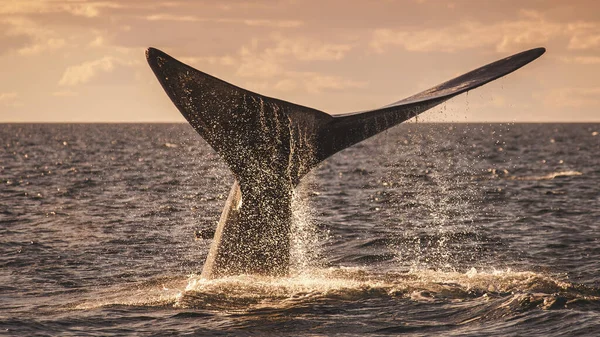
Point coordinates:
[(270, 144)]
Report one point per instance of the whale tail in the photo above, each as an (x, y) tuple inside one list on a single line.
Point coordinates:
[(270, 144), (255, 133)]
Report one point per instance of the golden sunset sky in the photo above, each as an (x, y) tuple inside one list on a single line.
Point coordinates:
[(83, 61)]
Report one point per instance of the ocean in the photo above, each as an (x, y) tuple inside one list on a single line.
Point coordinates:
[(426, 229)]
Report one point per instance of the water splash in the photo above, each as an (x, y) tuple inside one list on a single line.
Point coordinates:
[(246, 292), (306, 238), (484, 294)]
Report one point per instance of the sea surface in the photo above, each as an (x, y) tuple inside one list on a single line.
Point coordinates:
[(426, 229)]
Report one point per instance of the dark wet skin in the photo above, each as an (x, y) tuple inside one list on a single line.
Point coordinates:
[(270, 144)]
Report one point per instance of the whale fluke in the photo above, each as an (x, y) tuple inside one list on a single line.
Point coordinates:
[(270, 144), (348, 129)]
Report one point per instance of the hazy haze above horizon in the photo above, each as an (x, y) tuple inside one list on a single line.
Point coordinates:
[(83, 61)]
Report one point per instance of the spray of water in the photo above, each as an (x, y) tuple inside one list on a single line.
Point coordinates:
[(306, 239), (434, 198)]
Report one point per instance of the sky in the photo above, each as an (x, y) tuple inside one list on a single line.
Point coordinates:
[(83, 61)]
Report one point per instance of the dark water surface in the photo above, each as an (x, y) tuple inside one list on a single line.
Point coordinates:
[(463, 229)]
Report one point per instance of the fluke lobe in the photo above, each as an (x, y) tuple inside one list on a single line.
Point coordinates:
[(270, 144)]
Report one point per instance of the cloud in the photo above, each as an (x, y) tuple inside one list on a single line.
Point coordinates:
[(310, 82), (7, 96), (286, 85), (255, 64), (272, 68), (212, 60), (86, 71), (91, 9), (40, 38), (272, 61), (531, 29), (586, 60), (305, 49), (99, 41), (87, 9), (247, 22), (316, 83), (572, 97), (64, 93), (10, 99), (36, 48), (13, 42), (273, 23), (23, 7), (585, 35)]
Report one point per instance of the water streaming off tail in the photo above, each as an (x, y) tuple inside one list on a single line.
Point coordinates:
[(306, 238), (434, 200)]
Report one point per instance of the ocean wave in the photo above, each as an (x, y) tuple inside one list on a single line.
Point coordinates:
[(350, 284), (505, 174), (549, 176)]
